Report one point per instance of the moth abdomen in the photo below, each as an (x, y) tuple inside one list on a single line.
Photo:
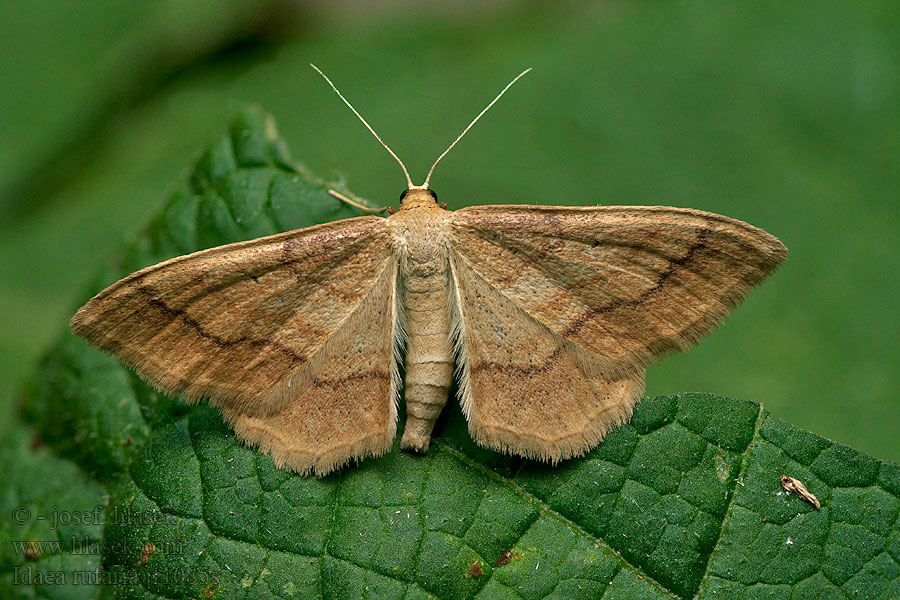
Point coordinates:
[(429, 354)]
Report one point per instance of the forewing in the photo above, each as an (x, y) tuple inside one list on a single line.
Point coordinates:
[(523, 388), (623, 284), (243, 325), (347, 408)]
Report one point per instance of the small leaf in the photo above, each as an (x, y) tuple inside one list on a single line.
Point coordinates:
[(685, 501)]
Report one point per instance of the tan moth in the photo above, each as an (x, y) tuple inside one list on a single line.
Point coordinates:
[(795, 486), (550, 314)]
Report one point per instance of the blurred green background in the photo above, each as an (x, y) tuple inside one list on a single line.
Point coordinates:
[(786, 115)]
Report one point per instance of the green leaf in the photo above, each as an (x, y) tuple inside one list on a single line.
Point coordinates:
[(685, 501)]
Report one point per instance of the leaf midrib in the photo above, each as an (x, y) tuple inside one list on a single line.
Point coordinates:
[(745, 456)]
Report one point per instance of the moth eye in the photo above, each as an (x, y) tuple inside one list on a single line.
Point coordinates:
[(403, 194), (433, 194)]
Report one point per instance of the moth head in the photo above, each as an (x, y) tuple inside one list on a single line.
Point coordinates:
[(417, 196)]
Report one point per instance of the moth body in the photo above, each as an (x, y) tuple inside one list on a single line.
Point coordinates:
[(420, 240), (552, 314)]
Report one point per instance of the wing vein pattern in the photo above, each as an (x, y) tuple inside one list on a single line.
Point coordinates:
[(292, 336), (559, 311)]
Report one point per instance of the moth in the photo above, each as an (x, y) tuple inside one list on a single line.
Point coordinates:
[(795, 486), (549, 314)]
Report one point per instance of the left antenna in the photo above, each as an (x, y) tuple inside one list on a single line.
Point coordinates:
[(409, 182)]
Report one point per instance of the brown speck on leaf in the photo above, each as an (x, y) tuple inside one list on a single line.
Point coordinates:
[(126, 442), (209, 590), (505, 557), (36, 442), (795, 486), (475, 570), (146, 552), (31, 550)]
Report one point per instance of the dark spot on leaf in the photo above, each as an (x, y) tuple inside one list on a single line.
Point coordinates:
[(505, 557), (31, 550), (146, 552), (475, 570)]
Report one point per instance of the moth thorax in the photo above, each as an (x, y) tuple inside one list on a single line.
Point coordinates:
[(417, 197)]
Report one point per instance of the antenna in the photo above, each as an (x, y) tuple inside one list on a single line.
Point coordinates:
[(409, 182), (369, 127), (503, 91)]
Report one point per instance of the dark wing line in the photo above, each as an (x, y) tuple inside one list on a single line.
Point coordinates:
[(100, 318), (497, 225)]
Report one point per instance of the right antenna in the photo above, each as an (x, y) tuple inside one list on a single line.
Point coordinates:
[(475, 120)]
